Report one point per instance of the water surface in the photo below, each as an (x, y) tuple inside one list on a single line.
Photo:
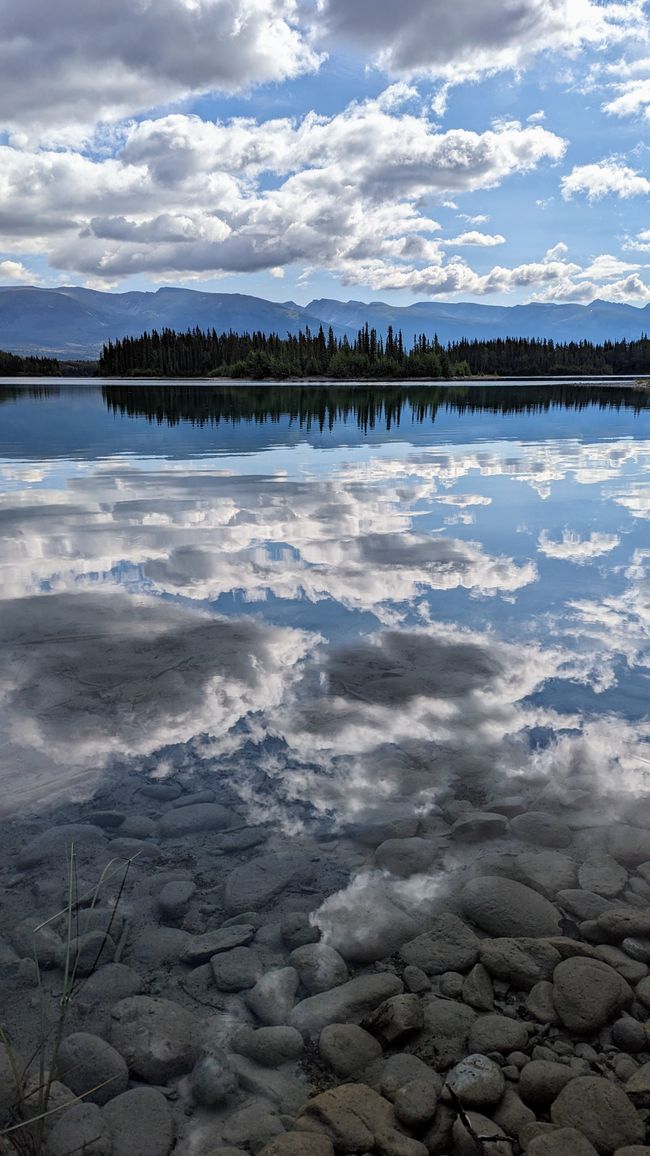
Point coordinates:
[(333, 599)]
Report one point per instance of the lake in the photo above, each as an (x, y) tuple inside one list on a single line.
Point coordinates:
[(323, 585), (317, 654)]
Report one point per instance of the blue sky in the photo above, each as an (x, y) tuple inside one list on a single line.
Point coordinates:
[(297, 149)]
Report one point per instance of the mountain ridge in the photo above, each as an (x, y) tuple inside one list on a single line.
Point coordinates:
[(74, 322)]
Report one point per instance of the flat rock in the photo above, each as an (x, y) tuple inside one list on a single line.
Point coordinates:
[(619, 922), (405, 857), (522, 962), (541, 828), (588, 994), (601, 1111), (157, 1038), (140, 1123), (385, 821), (253, 1126), (357, 1119), (447, 945), (201, 948), (255, 884), (197, 817), (351, 1002), (503, 907)]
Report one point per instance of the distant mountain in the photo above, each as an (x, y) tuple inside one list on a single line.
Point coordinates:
[(75, 323), (599, 321)]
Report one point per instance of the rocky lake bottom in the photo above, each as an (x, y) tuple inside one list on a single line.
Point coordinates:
[(326, 811)]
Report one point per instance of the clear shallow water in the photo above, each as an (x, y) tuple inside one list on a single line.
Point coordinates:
[(333, 600)]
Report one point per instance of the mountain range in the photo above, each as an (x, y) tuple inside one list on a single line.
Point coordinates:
[(74, 323)]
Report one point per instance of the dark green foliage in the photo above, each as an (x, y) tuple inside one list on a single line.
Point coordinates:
[(259, 356), (11, 365)]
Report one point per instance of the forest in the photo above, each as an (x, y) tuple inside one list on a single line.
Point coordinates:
[(12, 365), (256, 356)]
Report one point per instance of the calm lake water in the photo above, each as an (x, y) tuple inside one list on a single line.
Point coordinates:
[(331, 598)]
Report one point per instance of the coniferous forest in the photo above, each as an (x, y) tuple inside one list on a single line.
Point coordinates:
[(198, 353)]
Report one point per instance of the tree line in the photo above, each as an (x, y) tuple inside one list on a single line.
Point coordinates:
[(13, 365), (257, 355)]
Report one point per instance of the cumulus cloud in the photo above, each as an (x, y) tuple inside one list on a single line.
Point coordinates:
[(187, 196), (600, 180), (66, 67), (463, 41), (633, 98), (473, 237), (15, 271)]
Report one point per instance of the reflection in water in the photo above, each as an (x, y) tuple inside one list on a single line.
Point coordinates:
[(334, 625), (371, 406)]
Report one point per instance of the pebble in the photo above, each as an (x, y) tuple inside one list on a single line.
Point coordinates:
[(140, 1123), (237, 969), (157, 1038), (271, 1046), (273, 996), (350, 1002), (319, 966), (477, 1081), (541, 828), (212, 1079)]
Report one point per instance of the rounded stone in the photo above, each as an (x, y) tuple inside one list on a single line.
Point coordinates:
[(475, 826), (140, 1122), (587, 994), (91, 1068), (477, 1081), (629, 1035), (319, 966), (495, 1033), (269, 1046), (447, 945), (348, 1049), (175, 898), (236, 970), (415, 1103), (503, 907), (79, 1129), (541, 1081), (465, 1144), (404, 857), (601, 1111), (541, 828), (157, 1038), (213, 1079)]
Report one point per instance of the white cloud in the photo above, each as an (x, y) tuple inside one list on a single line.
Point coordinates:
[(481, 240), (573, 548), (640, 243), (66, 66), (633, 98), (185, 196), (607, 177), (462, 41), (16, 271)]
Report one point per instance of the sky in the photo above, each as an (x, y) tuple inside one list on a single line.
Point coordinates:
[(354, 149)]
